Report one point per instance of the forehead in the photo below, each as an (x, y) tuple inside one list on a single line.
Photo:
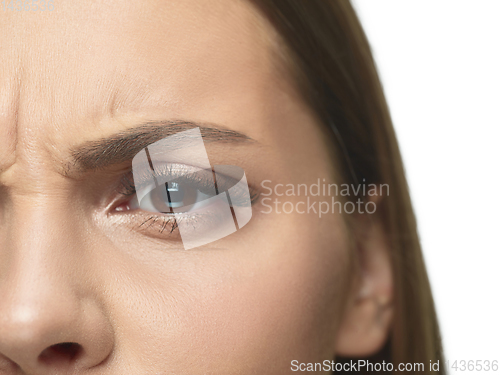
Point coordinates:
[(92, 66)]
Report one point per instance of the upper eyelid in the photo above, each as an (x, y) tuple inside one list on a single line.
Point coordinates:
[(145, 175), (129, 179)]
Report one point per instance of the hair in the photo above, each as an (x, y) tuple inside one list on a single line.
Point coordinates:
[(331, 63)]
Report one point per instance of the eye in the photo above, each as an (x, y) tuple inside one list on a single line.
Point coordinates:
[(174, 197), (195, 205)]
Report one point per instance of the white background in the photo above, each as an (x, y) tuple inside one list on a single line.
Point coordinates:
[(439, 63)]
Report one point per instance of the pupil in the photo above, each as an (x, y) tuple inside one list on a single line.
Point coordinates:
[(175, 194)]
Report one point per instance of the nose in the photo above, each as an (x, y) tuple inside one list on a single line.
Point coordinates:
[(52, 319)]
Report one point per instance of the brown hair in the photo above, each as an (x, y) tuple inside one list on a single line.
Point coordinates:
[(333, 67)]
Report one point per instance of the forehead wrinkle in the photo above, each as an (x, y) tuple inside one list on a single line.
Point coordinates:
[(87, 97), (134, 91), (9, 124), (51, 148)]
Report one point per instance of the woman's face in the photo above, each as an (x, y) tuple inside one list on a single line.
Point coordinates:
[(77, 266)]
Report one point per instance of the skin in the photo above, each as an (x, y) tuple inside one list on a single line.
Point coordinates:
[(74, 269)]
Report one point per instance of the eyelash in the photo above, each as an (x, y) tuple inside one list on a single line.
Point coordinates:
[(164, 222)]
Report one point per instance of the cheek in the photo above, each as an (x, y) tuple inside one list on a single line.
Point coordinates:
[(258, 304), (284, 310)]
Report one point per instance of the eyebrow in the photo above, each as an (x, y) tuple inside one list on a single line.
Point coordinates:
[(123, 146)]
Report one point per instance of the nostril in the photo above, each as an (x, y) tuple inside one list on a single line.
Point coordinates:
[(59, 354)]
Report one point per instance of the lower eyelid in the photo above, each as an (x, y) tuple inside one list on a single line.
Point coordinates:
[(163, 223), (165, 226), (156, 226)]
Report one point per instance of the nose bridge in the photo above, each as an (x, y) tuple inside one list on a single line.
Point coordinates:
[(43, 293), (40, 225), (38, 254)]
